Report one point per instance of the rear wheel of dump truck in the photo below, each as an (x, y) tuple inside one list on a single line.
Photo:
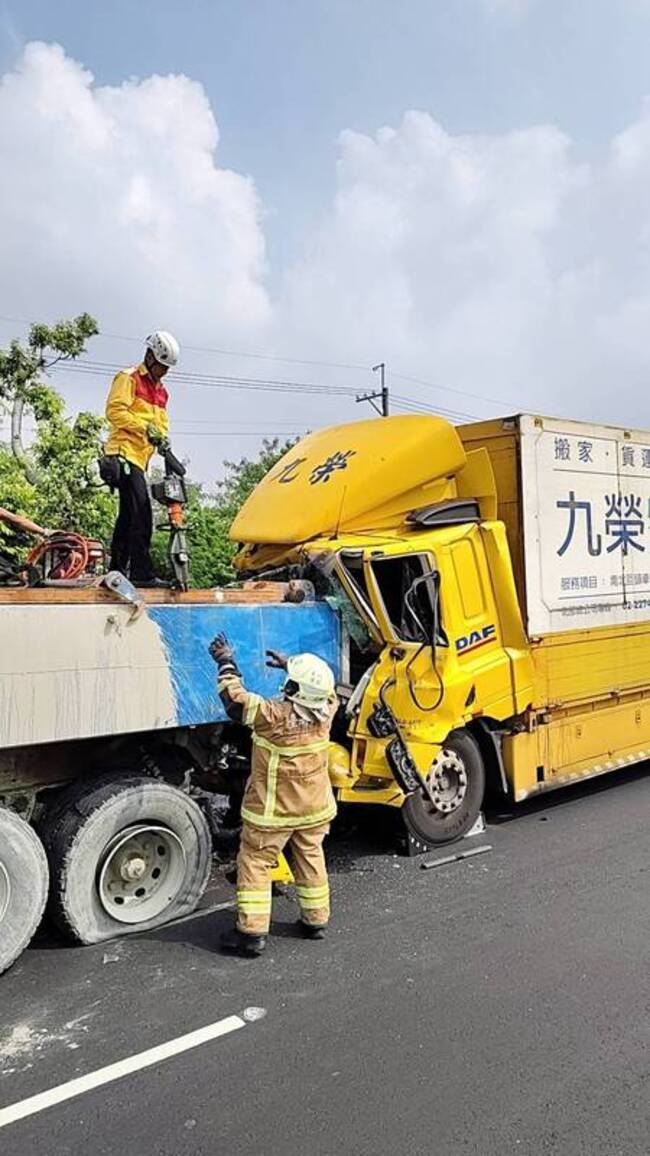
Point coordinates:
[(456, 787), (23, 885), (125, 856)]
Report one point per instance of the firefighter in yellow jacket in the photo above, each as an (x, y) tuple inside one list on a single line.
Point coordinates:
[(136, 410), (288, 797)]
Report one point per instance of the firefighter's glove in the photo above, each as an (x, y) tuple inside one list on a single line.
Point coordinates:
[(154, 436), (276, 660), (221, 651)]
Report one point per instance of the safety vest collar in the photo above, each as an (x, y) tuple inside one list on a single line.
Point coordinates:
[(149, 390)]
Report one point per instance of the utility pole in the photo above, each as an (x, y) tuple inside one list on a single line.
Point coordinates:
[(380, 395)]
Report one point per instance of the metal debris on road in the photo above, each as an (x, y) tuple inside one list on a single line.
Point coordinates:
[(455, 858)]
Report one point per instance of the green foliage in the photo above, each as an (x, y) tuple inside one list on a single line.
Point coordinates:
[(70, 496), (19, 496), (22, 363), (53, 483)]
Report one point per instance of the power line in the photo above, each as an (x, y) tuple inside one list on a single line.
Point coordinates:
[(270, 385), (416, 406), (223, 352), (452, 389), (222, 381), (299, 361), (227, 424)]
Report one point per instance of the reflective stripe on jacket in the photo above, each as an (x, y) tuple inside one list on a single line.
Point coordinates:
[(135, 401), (289, 784)]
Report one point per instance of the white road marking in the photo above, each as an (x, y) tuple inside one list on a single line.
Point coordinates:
[(117, 1071)]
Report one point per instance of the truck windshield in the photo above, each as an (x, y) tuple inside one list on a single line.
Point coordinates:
[(413, 620)]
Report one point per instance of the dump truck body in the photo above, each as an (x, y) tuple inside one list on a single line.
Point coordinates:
[(89, 669), (115, 748)]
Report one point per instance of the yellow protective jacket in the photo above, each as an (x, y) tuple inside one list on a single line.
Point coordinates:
[(289, 786), (134, 402)]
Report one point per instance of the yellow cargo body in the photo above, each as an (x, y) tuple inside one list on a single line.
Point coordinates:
[(591, 698)]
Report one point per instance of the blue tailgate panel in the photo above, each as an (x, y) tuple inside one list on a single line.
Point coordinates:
[(187, 630)]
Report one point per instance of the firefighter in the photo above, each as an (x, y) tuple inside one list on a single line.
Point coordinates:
[(288, 797), (136, 410)]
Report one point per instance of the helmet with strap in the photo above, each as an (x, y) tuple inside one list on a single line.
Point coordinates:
[(164, 347), (310, 681)]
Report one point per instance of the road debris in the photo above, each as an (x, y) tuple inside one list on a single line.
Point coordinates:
[(455, 858)]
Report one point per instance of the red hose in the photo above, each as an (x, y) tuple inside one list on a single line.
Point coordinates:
[(73, 555)]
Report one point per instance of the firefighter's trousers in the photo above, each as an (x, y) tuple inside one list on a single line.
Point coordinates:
[(258, 853)]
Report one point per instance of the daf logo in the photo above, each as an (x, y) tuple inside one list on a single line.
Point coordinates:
[(475, 638)]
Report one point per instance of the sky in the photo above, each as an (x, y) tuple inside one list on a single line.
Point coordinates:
[(301, 189)]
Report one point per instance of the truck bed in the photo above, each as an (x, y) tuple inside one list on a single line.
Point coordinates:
[(258, 593), (80, 664)]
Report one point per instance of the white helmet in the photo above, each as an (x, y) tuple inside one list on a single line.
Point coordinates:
[(164, 347), (312, 677)]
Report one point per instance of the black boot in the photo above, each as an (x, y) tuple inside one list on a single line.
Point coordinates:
[(311, 931), (152, 583), (240, 943)]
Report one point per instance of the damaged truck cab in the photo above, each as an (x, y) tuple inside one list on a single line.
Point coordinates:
[(403, 519), (499, 570)]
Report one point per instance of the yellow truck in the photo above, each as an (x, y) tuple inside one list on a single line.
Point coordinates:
[(501, 571)]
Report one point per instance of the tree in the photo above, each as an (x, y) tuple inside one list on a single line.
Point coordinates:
[(21, 381), (54, 481)]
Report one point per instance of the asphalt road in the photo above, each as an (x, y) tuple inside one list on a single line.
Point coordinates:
[(499, 1005)]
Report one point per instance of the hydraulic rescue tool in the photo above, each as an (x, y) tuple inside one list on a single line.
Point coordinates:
[(171, 492)]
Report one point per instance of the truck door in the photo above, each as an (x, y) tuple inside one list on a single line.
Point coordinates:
[(403, 590)]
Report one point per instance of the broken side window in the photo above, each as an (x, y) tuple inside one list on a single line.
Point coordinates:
[(412, 619), (352, 569)]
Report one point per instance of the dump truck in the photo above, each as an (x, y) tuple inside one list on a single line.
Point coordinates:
[(113, 746), (482, 592)]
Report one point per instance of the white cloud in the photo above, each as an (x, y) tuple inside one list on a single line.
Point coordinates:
[(497, 264), (112, 200)]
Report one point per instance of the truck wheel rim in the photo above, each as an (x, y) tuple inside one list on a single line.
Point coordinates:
[(140, 873), (5, 890), (447, 782)]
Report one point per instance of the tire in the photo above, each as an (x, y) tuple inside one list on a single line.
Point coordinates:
[(434, 826), (125, 855), (24, 879)]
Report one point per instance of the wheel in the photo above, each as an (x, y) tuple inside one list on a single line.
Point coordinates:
[(24, 881), (457, 786), (125, 855)]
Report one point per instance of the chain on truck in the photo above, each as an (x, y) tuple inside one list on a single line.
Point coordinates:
[(481, 591)]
